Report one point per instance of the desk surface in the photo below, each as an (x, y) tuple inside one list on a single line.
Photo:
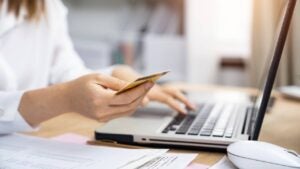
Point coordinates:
[(280, 126)]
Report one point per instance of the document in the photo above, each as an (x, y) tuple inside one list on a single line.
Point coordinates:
[(71, 138), (165, 161), (169, 161), (197, 166), (26, 152)]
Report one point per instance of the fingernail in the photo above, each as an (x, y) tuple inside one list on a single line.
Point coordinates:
[(148, 85)]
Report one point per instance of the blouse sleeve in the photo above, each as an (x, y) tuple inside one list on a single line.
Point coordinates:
[(10, 118)]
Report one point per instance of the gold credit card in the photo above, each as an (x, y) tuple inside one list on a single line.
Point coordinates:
[(150, 78)]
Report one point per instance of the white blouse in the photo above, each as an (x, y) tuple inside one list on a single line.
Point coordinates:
[(33, 55)]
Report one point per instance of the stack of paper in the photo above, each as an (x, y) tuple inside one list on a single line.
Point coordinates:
[(19, 151), (169, 161)]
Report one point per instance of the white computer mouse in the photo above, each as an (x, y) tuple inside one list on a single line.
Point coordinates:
[(262, 155)]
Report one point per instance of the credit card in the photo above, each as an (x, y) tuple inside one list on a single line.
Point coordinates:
[(150, 78)]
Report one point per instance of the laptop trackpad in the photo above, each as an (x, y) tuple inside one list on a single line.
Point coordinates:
[(153, 112), (149, 120)]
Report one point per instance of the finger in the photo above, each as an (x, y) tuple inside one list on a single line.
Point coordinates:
[(125, 103), (174, 104), (111, 110), (181, 97), (132, 106), (110, 82), (145, 101), (131, 95)]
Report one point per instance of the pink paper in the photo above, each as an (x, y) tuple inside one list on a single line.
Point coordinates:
[(197, 166), (71, 138)]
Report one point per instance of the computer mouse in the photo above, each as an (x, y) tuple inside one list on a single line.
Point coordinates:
[(262, 155)]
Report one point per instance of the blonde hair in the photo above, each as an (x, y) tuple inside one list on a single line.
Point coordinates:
[(35, 8)]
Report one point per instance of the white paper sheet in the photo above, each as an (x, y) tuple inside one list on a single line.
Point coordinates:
[(19, 151), (224, 163), (169, 161)]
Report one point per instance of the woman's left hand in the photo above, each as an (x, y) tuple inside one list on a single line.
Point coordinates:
[(172, 96)]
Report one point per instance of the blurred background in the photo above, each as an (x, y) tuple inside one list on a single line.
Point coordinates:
[(207, 42)]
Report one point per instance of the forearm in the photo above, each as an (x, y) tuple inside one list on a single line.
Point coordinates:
[(40, 105)]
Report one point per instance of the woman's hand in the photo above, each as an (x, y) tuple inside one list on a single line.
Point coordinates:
[(169, 95), (91, 95), (94, 96)]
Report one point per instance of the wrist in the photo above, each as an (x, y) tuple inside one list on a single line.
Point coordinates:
[(65, 103), (40, 105)]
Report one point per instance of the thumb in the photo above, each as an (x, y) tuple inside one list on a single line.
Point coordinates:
[(145, 101), (110, 82)]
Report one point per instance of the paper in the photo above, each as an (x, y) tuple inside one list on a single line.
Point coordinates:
[(19, 151), (197, 166), (151, 78), (224, 163), (141, 161), (169, 161), (71, 138)]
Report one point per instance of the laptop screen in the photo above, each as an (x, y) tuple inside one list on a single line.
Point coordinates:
[(271, 66)]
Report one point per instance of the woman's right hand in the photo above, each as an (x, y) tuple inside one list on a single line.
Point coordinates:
[(92, 95)]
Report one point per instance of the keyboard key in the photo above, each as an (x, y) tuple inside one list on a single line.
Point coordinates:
[(172, 128), (206, 133), (176, 121), (229, 130), (166, 130)]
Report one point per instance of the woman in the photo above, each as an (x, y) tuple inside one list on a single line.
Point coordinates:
[(41, 76)]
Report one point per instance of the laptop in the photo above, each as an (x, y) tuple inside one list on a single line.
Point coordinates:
[(215, 124)]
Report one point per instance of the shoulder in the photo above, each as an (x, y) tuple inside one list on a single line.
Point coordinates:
[(7, 19), (56, 13), (55, 8)]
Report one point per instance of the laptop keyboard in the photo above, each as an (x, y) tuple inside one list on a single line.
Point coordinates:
[(215, 120)]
